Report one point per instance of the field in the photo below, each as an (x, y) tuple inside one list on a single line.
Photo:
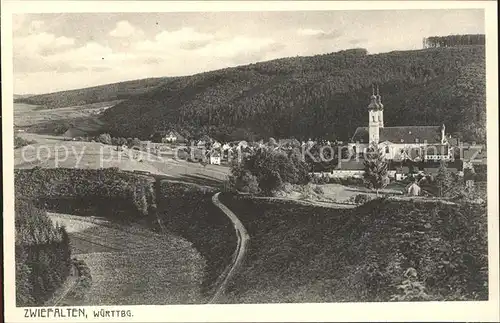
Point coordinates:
[(44, 120), (52, 151), (131, 265), (301, 253)]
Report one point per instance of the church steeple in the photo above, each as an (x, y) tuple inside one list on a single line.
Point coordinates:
[(379, 99), (373, 119), (381, 109), (373, 100)]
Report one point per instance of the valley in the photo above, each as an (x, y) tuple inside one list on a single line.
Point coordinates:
[(155, 229)]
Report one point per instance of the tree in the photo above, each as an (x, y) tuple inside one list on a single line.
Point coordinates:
[(271, 168), (376, 170), (135, 142), (122, 141), (444, 181), (105, 138), (272, 143)]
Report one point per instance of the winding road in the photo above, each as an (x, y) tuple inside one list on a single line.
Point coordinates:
[(239, 253)]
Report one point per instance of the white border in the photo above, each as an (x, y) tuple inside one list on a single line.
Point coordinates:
[(390, 312)]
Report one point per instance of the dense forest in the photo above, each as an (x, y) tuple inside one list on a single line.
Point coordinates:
[(43, 257), (454, 40), (322, 96)]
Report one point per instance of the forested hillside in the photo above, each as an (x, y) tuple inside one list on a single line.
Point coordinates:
[(101, 93), (310, 97), (320, 96)]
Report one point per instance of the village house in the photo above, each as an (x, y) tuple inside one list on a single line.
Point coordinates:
[(215, 157), (171, 137)]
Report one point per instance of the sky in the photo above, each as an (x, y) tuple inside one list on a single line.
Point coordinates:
[(55, 52)]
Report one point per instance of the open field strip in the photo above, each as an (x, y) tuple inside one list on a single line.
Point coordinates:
[(26, 115), (52, 151), (132, 265)]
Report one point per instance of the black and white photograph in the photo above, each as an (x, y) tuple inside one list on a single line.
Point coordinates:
[(225, 157)]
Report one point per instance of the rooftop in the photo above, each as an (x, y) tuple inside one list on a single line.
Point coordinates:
[(406, 134)]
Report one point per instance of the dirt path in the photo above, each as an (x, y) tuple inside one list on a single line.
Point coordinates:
[(239, 253), (68, 286), (333, 205)]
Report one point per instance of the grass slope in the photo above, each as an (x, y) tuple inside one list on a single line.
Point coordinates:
[(131, 265), (312, 254)]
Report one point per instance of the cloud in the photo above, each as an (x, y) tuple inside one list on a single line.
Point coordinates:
[(334, 34), (232, 47), (124, 29), (188, 43), (319, 33), (153, 60), (30, 65), (184, 38), (357, 41), (36, 44), (309, 32), (194, 44)]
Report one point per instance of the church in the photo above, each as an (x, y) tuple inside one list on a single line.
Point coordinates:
[(418, 143)]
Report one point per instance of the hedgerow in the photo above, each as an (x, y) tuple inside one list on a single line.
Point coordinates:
[(107, 187)]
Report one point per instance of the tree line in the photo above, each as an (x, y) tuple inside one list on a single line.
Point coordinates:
[(42, 253), (454, 40), (107, 187)]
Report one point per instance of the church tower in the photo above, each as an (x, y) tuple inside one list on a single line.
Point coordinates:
[(381, 109), (374, 120)]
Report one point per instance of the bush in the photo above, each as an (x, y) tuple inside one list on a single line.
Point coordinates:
[(287, 188), (105, 138), (346, 181), (307, 192), (318, 190), (362, 198), (320, 179), (247, 183), (21, 142), (481, 173)]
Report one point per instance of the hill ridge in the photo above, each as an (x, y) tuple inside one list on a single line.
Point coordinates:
[(320, 96)]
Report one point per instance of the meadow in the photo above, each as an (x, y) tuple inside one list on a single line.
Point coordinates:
[(131, 265), (50, 121), (108, 216)]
